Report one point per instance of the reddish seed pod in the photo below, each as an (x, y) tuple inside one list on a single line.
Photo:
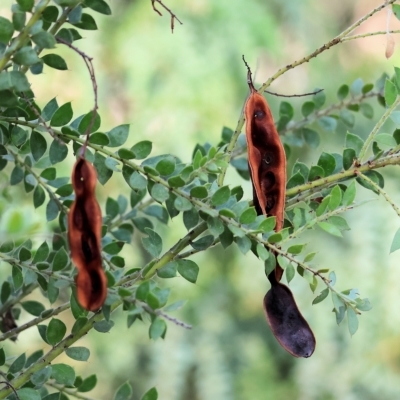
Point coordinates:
[(84, 236), (267, 165)]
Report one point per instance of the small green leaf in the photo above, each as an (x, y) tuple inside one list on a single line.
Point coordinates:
[(62, 116), (38, 145), (103, 326), (77, 353), (290, 272), (384, 139), (6, 30), (166, 166), (349, 156), (55, 61), (58, 152), (39, 196), (26, 56), (311, 137), (28, 394), (118, 135), (18, 363), (168, 270), (63, 374), (396, 242), (200, 192), (159, 193), (307, 108), (336, 198), (33, 307), (60, 260), (124, 392), (352, 321), (152, 243), (327, 162), (332, 229), (390, 92), (322, 296), (151, 394), (343, 92), (267, 225), (137, 181), (56, 331), (296, 248), (221, 196), (248, 216), (188, 269), (88, 384), (142, 149), (157, 328), (354, 142)]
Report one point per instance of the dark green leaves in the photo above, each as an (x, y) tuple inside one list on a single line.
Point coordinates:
[(188, 270), (124, 392), (327, 162), (157, 328), (99, 5), (77, 353), (152, 243), (118, 135), (55, 331), (55, 61), (38, 145), (390, 92), (151, 394), (62, 116), (6, 30), (142, 149), (221, 196)]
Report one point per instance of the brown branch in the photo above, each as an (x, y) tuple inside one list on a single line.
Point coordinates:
[(89, 65), (294, 95), (173, 16)]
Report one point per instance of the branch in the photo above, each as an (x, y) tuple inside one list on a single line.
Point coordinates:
[(160, 313), (54, 352), (68, 391), (173, 16), (21, 39), (89, 65), (338, 39), (377, 127), (35, 321), (380, 191)]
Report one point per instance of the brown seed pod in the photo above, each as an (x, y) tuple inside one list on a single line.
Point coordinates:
[(267, 164), (84, 236)]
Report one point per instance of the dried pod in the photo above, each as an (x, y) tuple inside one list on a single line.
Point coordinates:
[(84, 236), (267, 160), (267, 164), (286, 322)]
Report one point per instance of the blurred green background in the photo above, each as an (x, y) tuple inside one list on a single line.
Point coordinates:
[(178, 90)]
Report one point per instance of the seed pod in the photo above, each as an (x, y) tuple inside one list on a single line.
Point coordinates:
[(267, 160), (267, 164), (84, 236)]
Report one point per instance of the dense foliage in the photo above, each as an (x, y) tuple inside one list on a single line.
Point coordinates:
[(37, 135)]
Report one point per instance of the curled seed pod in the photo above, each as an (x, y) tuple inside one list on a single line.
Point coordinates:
[(84, 236), (267, 164)]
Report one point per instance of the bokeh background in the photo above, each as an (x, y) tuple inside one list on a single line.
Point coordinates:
[(178, 90)]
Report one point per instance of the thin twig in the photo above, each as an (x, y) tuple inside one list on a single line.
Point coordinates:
[(159, 313), (173, 16), (380, 191), (294, 95), (89, 65)]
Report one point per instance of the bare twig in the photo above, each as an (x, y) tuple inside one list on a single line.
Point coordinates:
[(294, 95), (89, 64), (159, 313), (173, 16)]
